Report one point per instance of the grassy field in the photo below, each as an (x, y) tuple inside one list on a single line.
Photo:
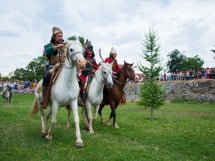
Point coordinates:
[(180, 132)]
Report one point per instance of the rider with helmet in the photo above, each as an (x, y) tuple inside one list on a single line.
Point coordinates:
[(56, 53), (112, 58)]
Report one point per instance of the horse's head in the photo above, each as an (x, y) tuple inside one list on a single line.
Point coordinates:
[(129, 71), (106, 71), (75, 53)]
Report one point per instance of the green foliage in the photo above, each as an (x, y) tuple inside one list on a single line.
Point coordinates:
[(150, 55), (179, 132), (151, 95), (20, 74), (4, 79), (179, 62), (34, 70), (175, 64), (81, 39), (194, 63), (72, 38)]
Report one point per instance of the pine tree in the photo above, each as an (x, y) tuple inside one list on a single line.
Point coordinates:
[(151, 94)]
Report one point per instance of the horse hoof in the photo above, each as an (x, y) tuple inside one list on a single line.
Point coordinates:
[(116, 126), (91, 132), (102, 121), (44, 134), (79, 144), (48, 137), (109, 123), (87, 127)]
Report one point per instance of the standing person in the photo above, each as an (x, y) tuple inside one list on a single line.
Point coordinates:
[(56, 53), (112, 58), (89, 70)]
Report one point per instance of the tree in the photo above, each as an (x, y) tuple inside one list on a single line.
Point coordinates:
[(194, 63), (20, 74), (175, 63), (33, 71), (36, 68), (151, 94), (178, 62)]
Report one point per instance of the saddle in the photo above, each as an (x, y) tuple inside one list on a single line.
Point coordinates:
[(55, 71)]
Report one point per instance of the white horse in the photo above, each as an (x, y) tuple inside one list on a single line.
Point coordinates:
[(64, 91), (7, 94), (103, 76)]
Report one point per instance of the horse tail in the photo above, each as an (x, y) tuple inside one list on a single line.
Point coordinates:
[(34, 107)]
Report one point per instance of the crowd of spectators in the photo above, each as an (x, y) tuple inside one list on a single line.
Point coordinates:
[(190, 74), (19, 86)]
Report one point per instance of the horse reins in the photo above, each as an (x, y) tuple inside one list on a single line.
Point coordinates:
[(69, 58), (120, 83)]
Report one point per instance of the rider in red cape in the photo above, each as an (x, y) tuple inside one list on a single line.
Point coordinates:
[(89, 69), (112, 58)]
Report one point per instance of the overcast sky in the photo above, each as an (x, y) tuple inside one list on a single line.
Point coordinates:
[(26, 26)]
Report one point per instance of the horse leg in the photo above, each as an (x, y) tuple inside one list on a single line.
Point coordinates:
[(84, 115), (114, 119), (102, 120), (115, 125), (54, 108), (47, 116), (44, 131), (96, 109), (68, 125), (113, 114), (79, 141), (9, 100), (89, 113), (110, 117)]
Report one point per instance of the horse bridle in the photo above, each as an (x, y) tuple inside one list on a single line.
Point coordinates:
[(105, 79), (69, 58), (129, 76)]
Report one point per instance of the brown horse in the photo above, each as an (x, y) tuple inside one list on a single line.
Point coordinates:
[(114, 96)]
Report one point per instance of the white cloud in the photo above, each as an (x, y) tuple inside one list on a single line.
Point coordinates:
[(184, 25)]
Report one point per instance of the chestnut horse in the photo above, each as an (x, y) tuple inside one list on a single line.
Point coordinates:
[(113, 96)]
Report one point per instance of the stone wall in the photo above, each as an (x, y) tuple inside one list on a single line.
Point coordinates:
[(202, 90)]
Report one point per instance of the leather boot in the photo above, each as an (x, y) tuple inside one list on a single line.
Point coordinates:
[(45, 95)]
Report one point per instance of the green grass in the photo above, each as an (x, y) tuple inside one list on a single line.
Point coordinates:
[(180, 131)]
